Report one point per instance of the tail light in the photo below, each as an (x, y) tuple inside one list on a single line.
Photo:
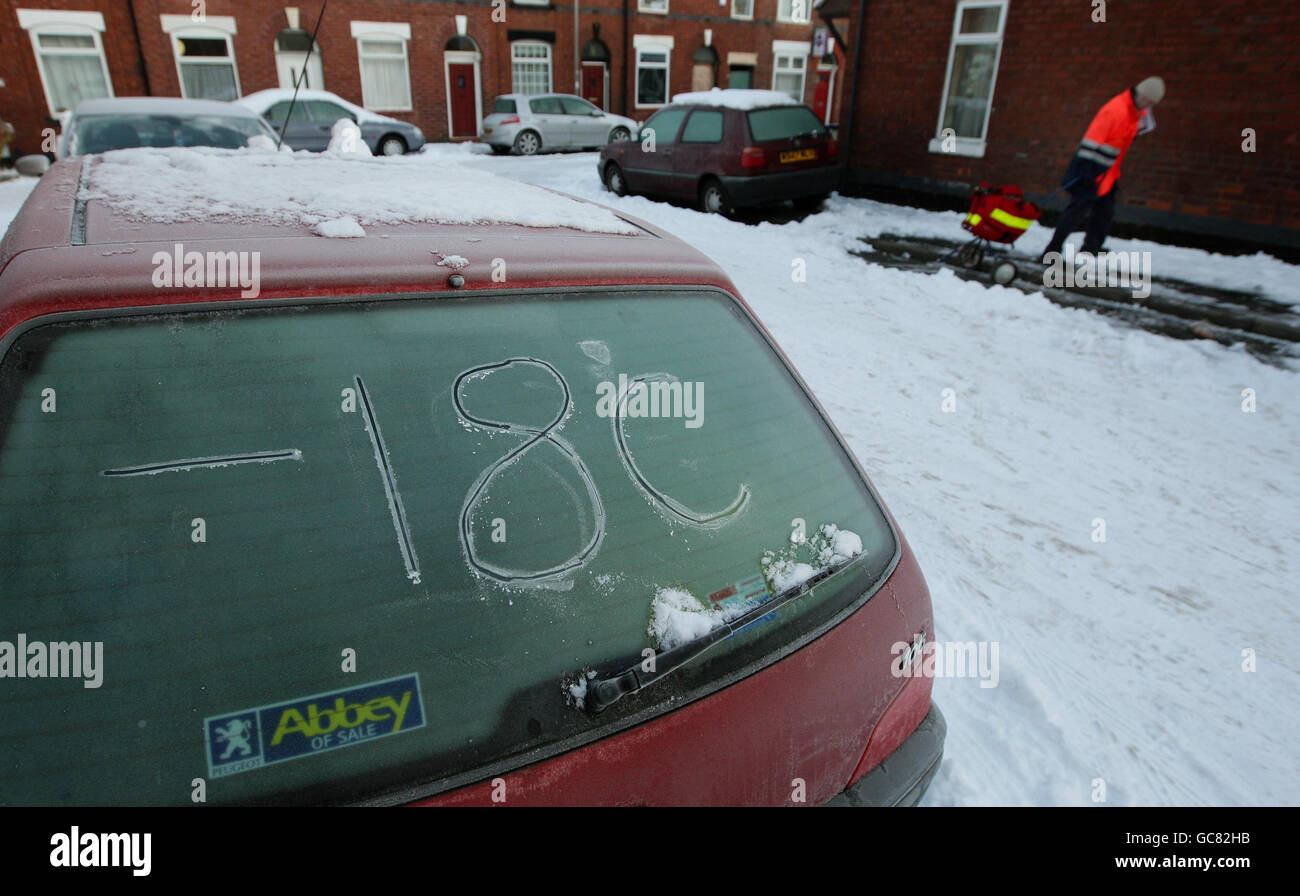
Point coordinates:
[(752, 157), (513, 119), (832, 149)]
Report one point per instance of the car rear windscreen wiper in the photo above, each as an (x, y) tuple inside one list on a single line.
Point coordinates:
[(603, 693)]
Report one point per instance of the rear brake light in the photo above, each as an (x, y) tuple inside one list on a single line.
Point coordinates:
[(513, 119), (832, 149), (752, 157)]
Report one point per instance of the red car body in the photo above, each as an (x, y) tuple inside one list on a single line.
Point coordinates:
[(824, 719)]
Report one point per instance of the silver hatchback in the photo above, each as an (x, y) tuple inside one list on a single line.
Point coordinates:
[(527, 124)]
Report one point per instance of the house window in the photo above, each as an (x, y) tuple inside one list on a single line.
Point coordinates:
[(653, 53), (798, 11), (972, 71), (530, 67), (652, 6), (205, 56), (742, 9), (790, 63), (207, 67), (787, 75), (385, 72), (69, 55)]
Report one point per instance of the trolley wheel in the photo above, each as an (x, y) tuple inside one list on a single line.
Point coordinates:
[(1004, 273), (970, 255)]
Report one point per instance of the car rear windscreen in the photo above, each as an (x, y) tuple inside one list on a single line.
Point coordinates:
[(318, 552), (783, 122), (504, 105)]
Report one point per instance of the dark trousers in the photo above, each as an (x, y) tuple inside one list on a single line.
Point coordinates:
[(1099, 211)]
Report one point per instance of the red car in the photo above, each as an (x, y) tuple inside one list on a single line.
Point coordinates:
[(530, 511), (727, 149)]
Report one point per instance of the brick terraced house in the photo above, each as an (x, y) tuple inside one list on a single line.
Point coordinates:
[(435, 63)]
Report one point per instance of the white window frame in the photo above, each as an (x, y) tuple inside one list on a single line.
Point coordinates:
[(212, 27), (807, 8), (55, 22), (385, 31), (745, 18), (550, 64), (970, 146), (642, 7), (795, 49), (652, 43)]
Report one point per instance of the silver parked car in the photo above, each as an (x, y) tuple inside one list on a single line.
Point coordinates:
[(526, 124), (314, 113), (110, 123)]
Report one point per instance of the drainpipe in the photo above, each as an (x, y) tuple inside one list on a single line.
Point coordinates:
[(627, 24), (847, 142), (577, 65), (139, 49)]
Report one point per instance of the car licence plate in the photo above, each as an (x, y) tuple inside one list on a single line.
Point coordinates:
[(798, 155)]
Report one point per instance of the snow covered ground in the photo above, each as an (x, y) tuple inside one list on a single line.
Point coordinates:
[(13, 193), (1120, 660)]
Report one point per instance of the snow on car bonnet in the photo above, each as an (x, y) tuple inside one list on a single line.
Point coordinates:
[(735, 98), (256, 186)]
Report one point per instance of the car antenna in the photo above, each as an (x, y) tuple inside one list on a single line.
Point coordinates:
[(297, 82)]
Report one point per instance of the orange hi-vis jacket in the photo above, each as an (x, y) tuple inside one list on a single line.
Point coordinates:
[(1097, 161)]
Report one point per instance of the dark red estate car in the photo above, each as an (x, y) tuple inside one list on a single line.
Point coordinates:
[(727, 149), (531, 511)]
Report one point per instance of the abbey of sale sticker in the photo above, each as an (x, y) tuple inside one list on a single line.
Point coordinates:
[(252, 738)]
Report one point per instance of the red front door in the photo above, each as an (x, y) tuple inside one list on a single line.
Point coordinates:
[(593, 83), (464, 118), (821, 95)]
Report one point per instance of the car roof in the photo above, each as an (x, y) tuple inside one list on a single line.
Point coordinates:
[(739, 98), (274, 95), (107, 259), (160, 105)]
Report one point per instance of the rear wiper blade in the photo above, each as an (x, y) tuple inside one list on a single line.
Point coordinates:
[(604, 692)]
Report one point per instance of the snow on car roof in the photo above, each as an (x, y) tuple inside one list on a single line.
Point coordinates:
[(263, 100), (735, 98), (309, 189), (160, 105)]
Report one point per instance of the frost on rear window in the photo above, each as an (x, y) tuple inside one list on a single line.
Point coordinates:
[(225, 496), (250, 186)]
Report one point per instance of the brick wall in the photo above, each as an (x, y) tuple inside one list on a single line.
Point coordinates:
[(1228, 64)]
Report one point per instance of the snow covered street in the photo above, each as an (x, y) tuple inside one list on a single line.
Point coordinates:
[(1118, 511)]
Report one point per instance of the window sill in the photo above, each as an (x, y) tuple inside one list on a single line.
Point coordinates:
[(964, 146), (652, 12)]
